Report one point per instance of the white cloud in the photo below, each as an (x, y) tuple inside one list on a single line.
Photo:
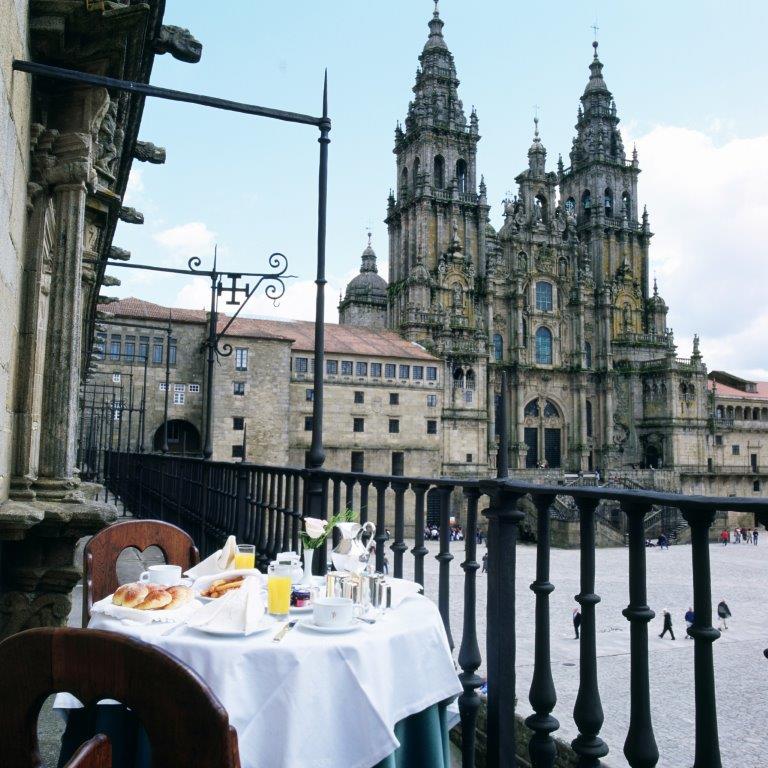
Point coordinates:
[(708, 204), (135, 185), (187, 240)]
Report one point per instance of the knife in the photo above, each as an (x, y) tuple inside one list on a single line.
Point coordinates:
[(284, 631)]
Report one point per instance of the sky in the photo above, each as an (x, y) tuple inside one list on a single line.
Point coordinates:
[(689, 82)]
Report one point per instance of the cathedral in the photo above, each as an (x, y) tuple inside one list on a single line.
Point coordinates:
[(559, 298)]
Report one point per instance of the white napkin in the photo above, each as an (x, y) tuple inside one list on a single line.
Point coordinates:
[(221, 560), (240, 610), (402, 589)]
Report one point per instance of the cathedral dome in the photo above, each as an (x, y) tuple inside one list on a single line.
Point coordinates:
[(368, 284)]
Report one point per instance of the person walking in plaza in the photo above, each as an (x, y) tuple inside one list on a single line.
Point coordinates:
[(485, 563), (725, 537), (724, 613), (663, 541), (667, 625), (754, 536), (744, 534), (736, 536), (576, 622), (690, 617)]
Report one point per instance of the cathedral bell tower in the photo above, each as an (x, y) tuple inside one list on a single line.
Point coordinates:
[(600, 189), (436, 219)]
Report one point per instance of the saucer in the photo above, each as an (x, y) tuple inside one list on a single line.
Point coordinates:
[(312, 627), (303, 609), (266, 623)]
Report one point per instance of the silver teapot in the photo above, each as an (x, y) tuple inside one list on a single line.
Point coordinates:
[(350, 554)]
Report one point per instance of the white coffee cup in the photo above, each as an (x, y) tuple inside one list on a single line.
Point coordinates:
[(333, 611), (167, 575)]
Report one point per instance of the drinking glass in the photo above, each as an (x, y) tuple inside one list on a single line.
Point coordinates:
[(279, 590), (245, 557)]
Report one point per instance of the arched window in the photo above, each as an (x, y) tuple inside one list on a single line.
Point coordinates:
[(544, 346), (550, 410), (747, 414), (570, 205), (461, 176), (525, 334), (404, 180), (587, 354), (458, 378), (589, 418), (532, 409), (739, 414), (541, 207), (439, 172), (470, 379), (626, 204), (544, 296), (720, 412), (586, 202), (498, 347), (416, 172), (608, 199)]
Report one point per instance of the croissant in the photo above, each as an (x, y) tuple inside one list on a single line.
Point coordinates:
[(180, 595), (155, 600), (130, 595)]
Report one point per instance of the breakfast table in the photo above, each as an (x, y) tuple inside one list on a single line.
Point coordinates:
[(373, 696)]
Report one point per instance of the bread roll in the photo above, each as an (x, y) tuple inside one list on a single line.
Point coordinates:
[(130, 595), (155, 600), (180, 595)]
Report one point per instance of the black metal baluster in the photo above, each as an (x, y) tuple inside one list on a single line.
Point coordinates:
[(349, 494), (296, 527), (542, 695), (640, 745), (503, 523), (588, 709), (469, 653), (419, 551), (444, 558), (704, 634), (364, 485), (279, 513), (399, 546), (287, 514), (271, 516), (263, 521), (380, 537)]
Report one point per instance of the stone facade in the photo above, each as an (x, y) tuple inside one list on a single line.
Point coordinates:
[(65, 155), (559, 298)]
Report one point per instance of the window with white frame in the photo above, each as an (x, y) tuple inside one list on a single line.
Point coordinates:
[(431, 401), (193, 388), (241, 359), (116, 377), (179, 391), (431, 373), (162, 386)]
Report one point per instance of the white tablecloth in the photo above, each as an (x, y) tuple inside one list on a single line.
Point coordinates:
[(316, 701)]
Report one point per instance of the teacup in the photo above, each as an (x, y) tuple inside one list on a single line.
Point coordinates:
[(167, 575), (333, 611)]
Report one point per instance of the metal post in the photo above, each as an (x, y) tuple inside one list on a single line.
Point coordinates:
[(211, 345), (316, 453), (167, 383), (502, 460), (144, 399)]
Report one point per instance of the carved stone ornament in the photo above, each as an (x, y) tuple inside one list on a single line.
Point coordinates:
[(147, 152), (179, 42)]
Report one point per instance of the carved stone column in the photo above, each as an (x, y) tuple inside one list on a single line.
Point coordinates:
[(64, 338)]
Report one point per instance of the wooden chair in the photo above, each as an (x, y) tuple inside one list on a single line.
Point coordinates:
[(95, 753), (101, 553), (185, 723)]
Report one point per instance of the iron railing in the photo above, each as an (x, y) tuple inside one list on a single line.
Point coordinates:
[(264, 506)]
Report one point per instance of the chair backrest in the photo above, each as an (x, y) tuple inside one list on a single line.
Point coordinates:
[(95, 753), (101, 553), (185, 723)]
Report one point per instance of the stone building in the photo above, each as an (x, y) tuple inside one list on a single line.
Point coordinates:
[(383, 394), (65, 155), (559, 298)]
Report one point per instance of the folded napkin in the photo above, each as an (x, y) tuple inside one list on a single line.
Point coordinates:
[(238, 611), (221, 560), (402, 589)]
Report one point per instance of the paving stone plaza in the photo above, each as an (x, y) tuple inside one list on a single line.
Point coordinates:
[(738, 575)]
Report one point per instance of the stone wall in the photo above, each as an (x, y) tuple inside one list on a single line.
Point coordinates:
[(14, 172)]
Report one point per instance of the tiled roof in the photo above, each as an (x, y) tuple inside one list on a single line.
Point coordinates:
[(725, 391), (339, 339)]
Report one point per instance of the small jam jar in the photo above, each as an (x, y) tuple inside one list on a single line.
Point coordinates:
[(300, 597)]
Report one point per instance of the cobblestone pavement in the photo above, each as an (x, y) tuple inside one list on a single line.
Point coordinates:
[(738, 575)]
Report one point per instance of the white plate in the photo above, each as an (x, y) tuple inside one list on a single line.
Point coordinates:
[(310, 625), (266, 624), (303, 609), (205, 581)]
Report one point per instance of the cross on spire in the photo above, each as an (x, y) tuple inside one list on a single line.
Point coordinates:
[(594, 27)]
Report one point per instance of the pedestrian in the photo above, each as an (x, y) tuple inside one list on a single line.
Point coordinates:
[(387, 534), (663, 541), (724, 612), (576, 622), (385, 566), (725, 537), (736, 536), (690, 618), (754, 536), (485, 563), (744, 534), (667, 625)]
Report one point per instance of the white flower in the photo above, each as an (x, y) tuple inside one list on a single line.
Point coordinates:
[(315, 527)]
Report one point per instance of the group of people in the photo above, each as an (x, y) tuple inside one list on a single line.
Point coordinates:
[(456, 533), (723, 613), (746, 535)]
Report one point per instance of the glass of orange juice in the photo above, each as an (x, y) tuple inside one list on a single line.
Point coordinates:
[(245, 556), (279, 589)]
